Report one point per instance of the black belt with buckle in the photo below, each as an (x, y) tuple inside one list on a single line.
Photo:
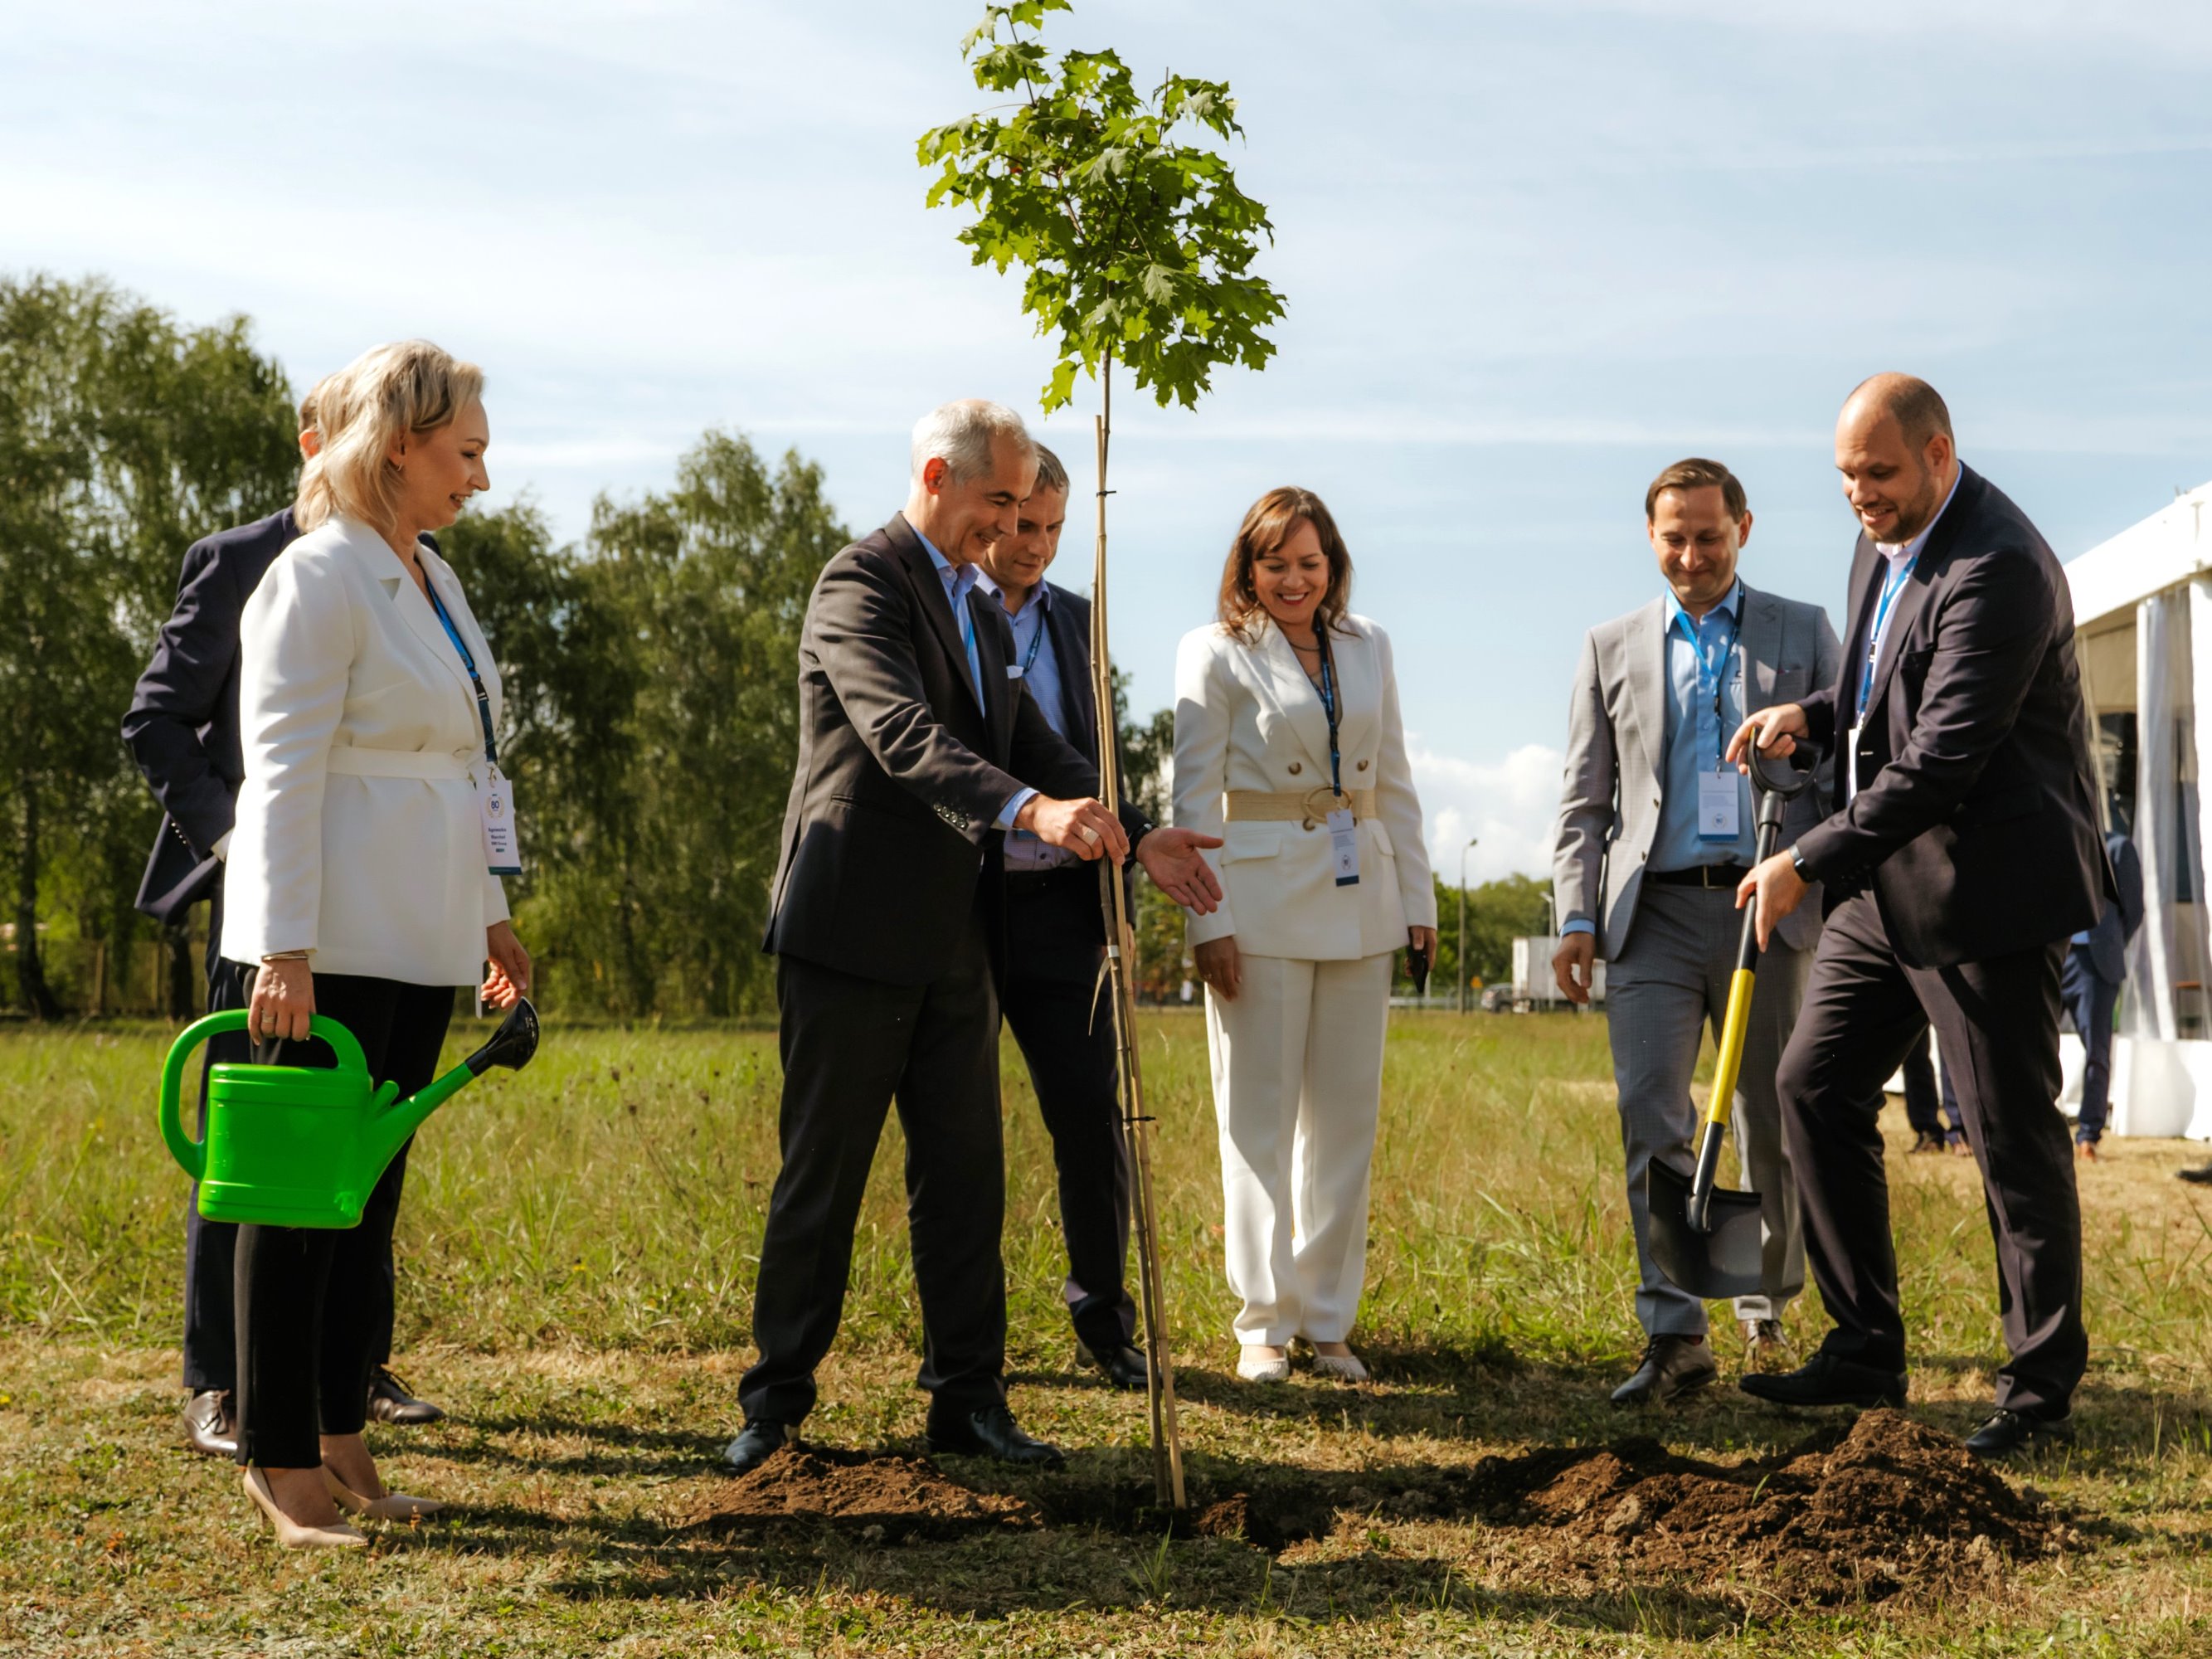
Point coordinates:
[(1702, 875)]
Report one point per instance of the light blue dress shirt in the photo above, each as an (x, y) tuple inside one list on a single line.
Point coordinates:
[(1035, 655), (1697, 652), (959, 582), (1701, 655)]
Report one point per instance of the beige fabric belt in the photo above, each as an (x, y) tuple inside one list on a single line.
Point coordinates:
[(1306, 806), (349, 760)]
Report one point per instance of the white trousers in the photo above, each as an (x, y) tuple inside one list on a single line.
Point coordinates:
[(1298, 1085)]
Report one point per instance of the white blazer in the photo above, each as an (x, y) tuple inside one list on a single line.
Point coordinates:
[(1248, 718), (358, 835)]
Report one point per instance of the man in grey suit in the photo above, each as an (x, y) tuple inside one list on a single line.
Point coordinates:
[(1656, 828)]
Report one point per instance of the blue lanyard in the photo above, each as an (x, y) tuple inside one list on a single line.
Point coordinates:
[(1329, 708), (1719, 674), (1891, 586), (468, 662), (1036, 640)]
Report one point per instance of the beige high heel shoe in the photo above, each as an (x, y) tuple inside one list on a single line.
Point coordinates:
[(393, 1506), (289, 1533)]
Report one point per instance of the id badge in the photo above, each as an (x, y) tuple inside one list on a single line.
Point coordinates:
[(1013, 670), (1851, 764), (1344, 846), (496, 806), (1718, 796)]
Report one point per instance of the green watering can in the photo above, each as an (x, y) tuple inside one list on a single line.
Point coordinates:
[(302, 1145)]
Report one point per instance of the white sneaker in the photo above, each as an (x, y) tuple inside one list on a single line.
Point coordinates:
[(1261, 1364), (1345, 1367)]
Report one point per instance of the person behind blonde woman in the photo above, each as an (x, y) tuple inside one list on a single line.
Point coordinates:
[(358, 884), (1288, 744)]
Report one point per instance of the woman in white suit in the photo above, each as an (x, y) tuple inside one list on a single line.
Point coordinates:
[(360, 879), (1288, 745)]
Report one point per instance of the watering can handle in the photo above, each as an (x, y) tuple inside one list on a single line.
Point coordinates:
[(192, 1155)]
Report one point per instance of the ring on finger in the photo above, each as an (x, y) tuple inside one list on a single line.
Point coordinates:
[(1089, 835)]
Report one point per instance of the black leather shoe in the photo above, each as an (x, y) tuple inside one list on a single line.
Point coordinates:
[(991, 1433), (2202, 1176), (390, 1402), (1124, 1366), (1825, 1380), (211, 1423), (2006, 1433), (751, 1449), (1672, 1366)]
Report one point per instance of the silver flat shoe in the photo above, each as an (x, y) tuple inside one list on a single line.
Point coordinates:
[(1345, 1367), (1255, 1366)]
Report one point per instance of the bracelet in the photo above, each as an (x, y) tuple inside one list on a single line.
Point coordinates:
[(288, 956)]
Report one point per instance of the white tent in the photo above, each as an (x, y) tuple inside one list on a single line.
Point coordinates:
[(2141, 601)]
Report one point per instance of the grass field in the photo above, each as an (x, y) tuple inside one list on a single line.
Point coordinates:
[(577, 1260)]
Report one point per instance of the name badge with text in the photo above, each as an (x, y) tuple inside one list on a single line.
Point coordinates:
[(496, 806), (1344, 846), (1718, 796)]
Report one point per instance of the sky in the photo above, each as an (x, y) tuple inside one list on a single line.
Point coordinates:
[(1533, 253)]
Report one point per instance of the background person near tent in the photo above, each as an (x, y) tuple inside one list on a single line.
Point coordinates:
[(182, 730), (1655, 831), (1055, 940), (1286, 703), (2096, 966), (1962, 853), (358, 877), (1929, 1102)]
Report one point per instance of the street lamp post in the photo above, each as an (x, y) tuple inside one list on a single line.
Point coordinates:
[(1463, 922)]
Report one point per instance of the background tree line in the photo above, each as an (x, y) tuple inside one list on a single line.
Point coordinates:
[(650, 674)]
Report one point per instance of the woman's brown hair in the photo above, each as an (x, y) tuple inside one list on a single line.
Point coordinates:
[(1267, 526)]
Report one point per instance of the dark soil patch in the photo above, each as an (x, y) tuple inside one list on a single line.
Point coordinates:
[(1888, 1505), (879, 1497)]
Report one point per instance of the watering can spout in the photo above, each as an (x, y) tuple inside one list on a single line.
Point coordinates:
[(511, 1045)]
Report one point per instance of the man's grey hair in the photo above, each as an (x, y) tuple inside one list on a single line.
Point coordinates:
[(1051, 475), (961, 434)]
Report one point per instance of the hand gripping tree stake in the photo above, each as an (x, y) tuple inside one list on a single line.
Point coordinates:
[(1136, 247)]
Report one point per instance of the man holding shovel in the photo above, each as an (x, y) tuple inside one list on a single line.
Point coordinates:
[(1962, 854), (1655, 831)]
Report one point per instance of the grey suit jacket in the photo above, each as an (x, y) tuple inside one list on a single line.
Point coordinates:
[(1617, 723)]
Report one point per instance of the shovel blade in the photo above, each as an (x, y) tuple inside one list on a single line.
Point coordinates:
[(1714, 1266)]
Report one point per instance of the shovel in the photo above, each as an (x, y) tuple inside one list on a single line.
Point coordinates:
[(1707, 1240)]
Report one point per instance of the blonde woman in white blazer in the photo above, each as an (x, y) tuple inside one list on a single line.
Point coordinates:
[(358, 884), (1297, 961)]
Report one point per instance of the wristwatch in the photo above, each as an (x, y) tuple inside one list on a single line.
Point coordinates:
[(1797, 863)]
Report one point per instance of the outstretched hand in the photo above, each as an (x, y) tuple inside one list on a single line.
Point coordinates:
[(1170, 858)]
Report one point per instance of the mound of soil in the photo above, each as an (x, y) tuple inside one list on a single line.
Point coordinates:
[(879, 1498), (1889, 1504)]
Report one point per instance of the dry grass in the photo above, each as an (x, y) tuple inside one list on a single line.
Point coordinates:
[(578, 1249)]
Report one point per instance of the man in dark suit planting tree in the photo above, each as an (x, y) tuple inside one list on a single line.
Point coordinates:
[(917, 754), (1962, 853)]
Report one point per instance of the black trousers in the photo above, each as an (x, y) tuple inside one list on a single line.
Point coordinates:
[(315, 1303), (850, 1046), (1997, 1021), (210, 1333), (1925, 1106), (1066, 1032), (2090, 999)]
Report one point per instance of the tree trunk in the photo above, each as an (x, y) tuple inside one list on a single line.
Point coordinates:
[(31, 988)]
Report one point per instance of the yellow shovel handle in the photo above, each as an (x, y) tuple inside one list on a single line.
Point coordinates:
[(1729, 1065)]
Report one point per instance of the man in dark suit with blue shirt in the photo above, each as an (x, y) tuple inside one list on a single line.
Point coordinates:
[(1962, 853), (1056, 939), (182, 729)]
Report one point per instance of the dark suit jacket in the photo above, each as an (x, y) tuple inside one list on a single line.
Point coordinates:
[(2116, 922), (890, 835), (1975, 823), (183, 724)]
